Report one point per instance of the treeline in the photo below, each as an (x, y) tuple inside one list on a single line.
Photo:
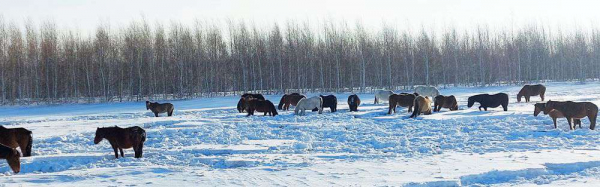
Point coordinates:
[(41, 63)]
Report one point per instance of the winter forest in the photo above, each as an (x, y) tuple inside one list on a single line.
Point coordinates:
[(43, 63)]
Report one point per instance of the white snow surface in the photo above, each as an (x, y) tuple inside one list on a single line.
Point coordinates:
[(208, 143)]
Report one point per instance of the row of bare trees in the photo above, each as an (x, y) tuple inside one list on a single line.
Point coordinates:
[(41, 63)]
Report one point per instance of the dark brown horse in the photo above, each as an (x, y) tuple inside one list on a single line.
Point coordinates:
[(328, 101), (531, 90), (17, 137), (265, 106), (539, 107), (404, 100), (241, 106), (123, 138), (574, 110), (157, 108), (12, 156), (448, 102), (289, 99), (353, 102)]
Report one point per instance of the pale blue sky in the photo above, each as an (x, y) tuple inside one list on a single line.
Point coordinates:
[(85, 15)]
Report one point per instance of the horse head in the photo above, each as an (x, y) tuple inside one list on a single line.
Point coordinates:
[(470, 102), (99, 135), (539, 107), (549, 106), (13, 160), (147, 105)]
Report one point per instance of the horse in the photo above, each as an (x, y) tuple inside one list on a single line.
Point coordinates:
[(309, 104), (265, 106), (422, 105), (123, 138), (448, 102), (430, 91), (328, 101), (539, 107), (289, 99), (574, 110), (12, 156), (382, 95), (489, 101), (353, 102), (17, 137), (157, 108), (241, 104), (531, 90), (403, 99)]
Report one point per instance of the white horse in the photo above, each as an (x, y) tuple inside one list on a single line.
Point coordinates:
[(382, 95), (309, 104), (430, 91)]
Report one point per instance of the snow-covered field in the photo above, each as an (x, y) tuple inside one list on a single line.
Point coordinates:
[(208, 143)]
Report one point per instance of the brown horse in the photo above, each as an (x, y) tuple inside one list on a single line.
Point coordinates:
[(403, 99), (574, 110), (448, 102), (539, 107), (289, 99), (531, 90), (353, 102), (123, 138), (157, 108), (422, 105), (12, 156), (265, 106), (17, 137), (241, 106)]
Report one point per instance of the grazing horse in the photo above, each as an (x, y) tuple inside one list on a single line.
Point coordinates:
[(157, 108), (448, 102), (17, 137), (382, 95), (403, 99), (123, 138), (328, 101), (574, 110), (241, 104), (430, 91), (265, 106), (309, 104), (489, 101), (353, 102), (12, 156), (539, 107), (531, 90), (289, 99), (422, 105)]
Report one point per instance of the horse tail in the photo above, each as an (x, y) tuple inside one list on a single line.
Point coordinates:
[(29, 145), (415, 109), (280, 105)]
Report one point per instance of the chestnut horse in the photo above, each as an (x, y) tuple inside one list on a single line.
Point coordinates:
[(403, 99), (123, 138), (353, 102), (265, 106), (448, 102), (157, 108), (574, 110), (12, 156), (489, 101), (531, 90), (241, 105), (422, 105), (289, 99), (539, 107), (17, 137)]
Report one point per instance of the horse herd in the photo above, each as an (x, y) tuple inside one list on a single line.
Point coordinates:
[(17, 142)]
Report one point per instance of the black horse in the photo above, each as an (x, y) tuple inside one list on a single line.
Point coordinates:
[(489, 101), (328, 101), (247, 96), (265, 106), (353, 102)]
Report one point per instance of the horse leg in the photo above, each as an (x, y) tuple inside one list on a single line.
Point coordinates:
[(265, 114), (112, 144), (554, 119), (390, 109), (480, 108), (542, 96), (569, 120), (156, 114), (122, 155), (505, 107)]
